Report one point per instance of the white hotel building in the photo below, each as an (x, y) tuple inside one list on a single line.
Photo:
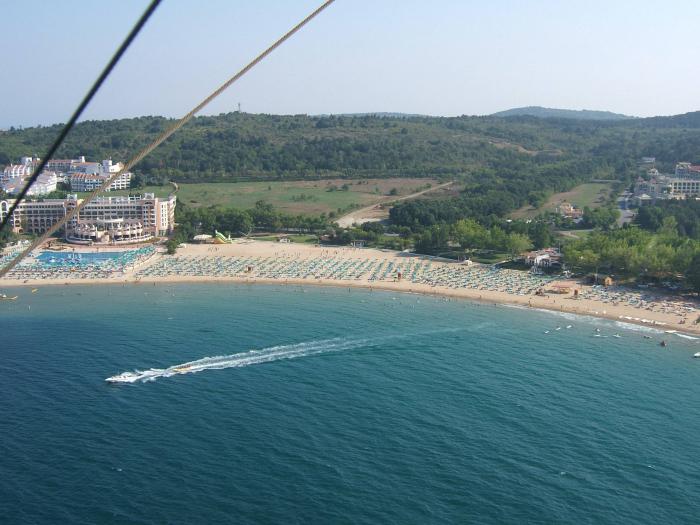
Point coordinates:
[(79, 174), (105, 220), (88, 176)]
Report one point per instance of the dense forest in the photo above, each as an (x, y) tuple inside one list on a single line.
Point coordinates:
[(240, 146)]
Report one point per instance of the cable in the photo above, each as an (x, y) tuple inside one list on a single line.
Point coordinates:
[(71, 122), (161, 138)]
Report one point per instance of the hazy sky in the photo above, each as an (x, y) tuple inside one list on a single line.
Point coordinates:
[(439, 57)]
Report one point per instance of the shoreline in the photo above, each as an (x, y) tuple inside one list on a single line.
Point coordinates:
[(624, 313), (689, 330)]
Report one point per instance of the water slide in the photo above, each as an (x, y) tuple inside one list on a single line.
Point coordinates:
[(220, 238)]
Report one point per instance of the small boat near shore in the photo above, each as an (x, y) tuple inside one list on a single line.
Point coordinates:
[(5, 297), (696, 354)]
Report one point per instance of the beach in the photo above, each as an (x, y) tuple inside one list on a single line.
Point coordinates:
[(252, 262)]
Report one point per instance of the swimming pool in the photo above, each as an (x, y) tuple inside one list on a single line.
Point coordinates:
[(77, 258)]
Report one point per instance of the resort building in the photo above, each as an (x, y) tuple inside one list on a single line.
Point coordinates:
[(91, 181), (567, 209), (546, 258), (88, 176), (684, 184), (683, 188), (33, 216), (45, 183), (17, 172), (79, 174), (63, 165), (105, 220), (687, 170), (14, 177)]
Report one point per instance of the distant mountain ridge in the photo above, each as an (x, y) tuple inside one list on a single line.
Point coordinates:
[(540, 112)]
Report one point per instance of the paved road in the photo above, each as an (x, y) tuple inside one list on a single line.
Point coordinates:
[(626, 215)]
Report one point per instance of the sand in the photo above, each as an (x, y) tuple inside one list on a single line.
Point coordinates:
[(553, 302)]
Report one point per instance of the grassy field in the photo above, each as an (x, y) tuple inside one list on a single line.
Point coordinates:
[(592, 194), (295, 197)]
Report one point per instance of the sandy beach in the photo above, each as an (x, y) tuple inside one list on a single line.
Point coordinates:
[(303, 264)]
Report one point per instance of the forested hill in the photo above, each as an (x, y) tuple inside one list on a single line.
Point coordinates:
[(540, 112), (551, 153)]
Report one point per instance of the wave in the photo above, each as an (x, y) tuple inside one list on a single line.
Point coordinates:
[(638, 328), (685, 336)]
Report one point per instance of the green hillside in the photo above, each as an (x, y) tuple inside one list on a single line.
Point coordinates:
[(238, 146), (503, 164)]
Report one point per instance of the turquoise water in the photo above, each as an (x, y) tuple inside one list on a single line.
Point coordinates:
[(356, 407), (76, 258)]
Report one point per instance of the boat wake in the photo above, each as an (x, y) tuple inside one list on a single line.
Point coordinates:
[(252, 357)]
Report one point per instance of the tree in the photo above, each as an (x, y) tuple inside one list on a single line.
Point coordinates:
[(589, 260), (693, 273), (517, 243), (137, 182), (603, 218), (540, 235), (172, 245), (469, 234)]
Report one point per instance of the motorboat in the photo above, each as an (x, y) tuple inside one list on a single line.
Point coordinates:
[(696, 354), (4, 297), (124, 377)]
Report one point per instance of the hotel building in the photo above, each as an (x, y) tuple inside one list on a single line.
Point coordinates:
[(684, 185), (88, 176), (92, 181), (105, 220)]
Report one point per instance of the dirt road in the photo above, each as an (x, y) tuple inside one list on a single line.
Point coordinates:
[(375, 213)]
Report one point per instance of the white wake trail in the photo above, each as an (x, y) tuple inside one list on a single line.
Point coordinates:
[(273, 353), (252, 357)]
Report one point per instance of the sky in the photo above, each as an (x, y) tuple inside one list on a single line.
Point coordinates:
[(443, 57)]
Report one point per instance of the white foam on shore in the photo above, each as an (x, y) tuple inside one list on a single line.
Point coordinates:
[(685, 336), (570, 316), (603, 321), (638, 328)]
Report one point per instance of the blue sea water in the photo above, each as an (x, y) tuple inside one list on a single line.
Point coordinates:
[(337, 406)]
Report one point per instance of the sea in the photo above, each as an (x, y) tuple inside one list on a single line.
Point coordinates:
[(286, 404)]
